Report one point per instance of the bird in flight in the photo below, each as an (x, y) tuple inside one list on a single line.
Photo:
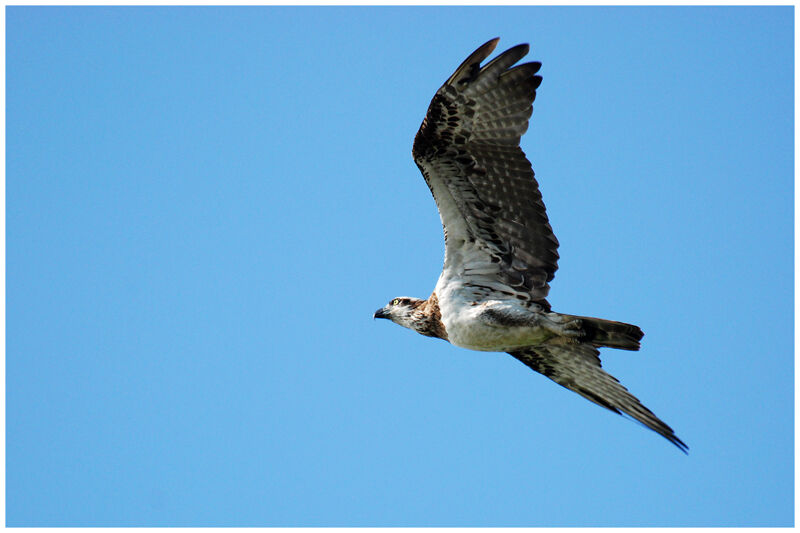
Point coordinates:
[(500, 251)]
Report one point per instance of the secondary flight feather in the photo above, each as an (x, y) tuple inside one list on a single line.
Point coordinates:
[(500, 251)]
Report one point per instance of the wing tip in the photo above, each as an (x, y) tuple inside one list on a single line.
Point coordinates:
[(491, 42), (471, 65), (682, 446), (522, 49), (658, 426)]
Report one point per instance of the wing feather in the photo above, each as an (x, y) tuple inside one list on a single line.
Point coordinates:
[(471, 65), (468, 152), (577, 367), (488, 75)]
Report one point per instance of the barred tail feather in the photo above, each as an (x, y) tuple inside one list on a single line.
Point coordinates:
[(608, 333)]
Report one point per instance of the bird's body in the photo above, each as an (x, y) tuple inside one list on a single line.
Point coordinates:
[(500, 251), (493, 325)]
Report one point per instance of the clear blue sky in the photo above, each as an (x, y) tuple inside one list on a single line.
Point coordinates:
[(205, 207)]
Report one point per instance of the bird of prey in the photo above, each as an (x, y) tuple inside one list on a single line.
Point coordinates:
[(500, 251)]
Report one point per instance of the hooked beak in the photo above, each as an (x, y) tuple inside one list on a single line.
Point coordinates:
[(380, 313)]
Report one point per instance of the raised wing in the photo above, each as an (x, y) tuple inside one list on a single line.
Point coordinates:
[(468, 151), (577, 367)]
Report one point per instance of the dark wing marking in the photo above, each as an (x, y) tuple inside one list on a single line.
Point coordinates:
[(468, 151), (577, 367)]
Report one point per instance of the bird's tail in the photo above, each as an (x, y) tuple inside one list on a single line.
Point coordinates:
[(600, 333)]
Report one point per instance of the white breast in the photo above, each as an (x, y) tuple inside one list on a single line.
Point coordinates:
[(467, 326)]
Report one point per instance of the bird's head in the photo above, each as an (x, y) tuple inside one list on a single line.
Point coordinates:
[(400, 311)]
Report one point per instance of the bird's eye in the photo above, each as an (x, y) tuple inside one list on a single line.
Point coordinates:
[(396, 301)]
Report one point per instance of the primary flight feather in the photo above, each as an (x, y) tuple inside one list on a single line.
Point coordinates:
[(500, 251)]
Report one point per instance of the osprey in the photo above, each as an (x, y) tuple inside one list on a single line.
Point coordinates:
[(500, 251)]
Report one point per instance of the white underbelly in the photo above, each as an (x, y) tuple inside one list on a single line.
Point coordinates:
[(468, 327), (482, 337)]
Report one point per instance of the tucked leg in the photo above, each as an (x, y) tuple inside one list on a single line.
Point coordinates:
[(563, 325)]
